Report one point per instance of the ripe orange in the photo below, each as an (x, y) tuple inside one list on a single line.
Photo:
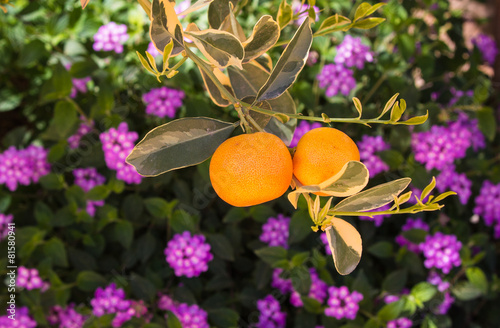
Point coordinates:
[(321, 153), (251, 169)]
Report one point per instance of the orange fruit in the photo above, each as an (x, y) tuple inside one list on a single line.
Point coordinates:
[(321, 153), (251, 169)]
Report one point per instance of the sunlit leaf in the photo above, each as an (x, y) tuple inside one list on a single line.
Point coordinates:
[(166, 27), (213, 90), (289, 65), (265, 34), (221, 48), (177, 144), (350, 180), (346, 245), (427, 190), (396, 112), (285, 14), (247, 82), (389, 105), (368, 23), (487, 122), (195, 6), (218, 11), (443, 196), (84, 3), (333, 23), (167, 51), (415, 120), (365, 9), (231, 25), (145, 63), (146, 5), (359, 107), (373, 198)]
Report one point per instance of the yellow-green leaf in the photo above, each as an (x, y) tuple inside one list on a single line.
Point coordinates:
[(289, 65), (415, 120), (220, 48), (368, 23), (350, 180), (145, 63), (285, 14), (366, 9), (372, 198), (333, 23), (264, 36), (357, 104), (443, 196), (167, 51), (427, 190), (396, 112), (388, 105), (346, 245), (165, 27)]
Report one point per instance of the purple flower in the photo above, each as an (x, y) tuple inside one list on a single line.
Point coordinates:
[(5, 219), (317, 290), (284, 285), (458, 94), (298, 7), (445, 305), (29, 279), (79, 85), (166, 303), (152, 50), (83, 129), (117, 145), (391, 299), (188, 256), (336, 79), (23, 166), (368, 146), (400, 323), (111, 37), (23, 320), (302, 129), (191, 316), (342, 304), (275, 231), (435, 279), (351, 52), (487, 46), (441, 252), (378, 219), (324, 239), (66, 317), (163, 101), (312, 58), (270, 313), (487, 205), (409, 225), (88, 178), (449, 179)]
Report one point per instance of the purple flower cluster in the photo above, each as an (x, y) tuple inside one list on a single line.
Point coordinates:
[(367, 148), (351, 52), (487, 205), (409, 225), (117, 145), (190, 316), (317, 290), (188, 255), (66, 317), (336, 79), (487, 46), (112, 301), (30, 279), (378, 219), (163, 101), (83, 129), (441, 252), (270, 313), (456, 95), (165, 303), (284, 285), (457, 182), (324, 239), (298, 7), (435, 279), (400, 323), (5, 219), (302, 129), (23, 166), (342, 303), (79, 85), (152, 50), (88, 178), (23, 320), (445, 305), (442, 145), (275, 231), (110, 37)]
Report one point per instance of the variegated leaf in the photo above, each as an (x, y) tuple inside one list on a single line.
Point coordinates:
[(165, 27), (218, 11), (264, 36), (195, 6), (213, 90), (346, 245)]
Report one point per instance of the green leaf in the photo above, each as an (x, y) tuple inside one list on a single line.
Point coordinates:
[(395, 281), (312, 305), (389, 105), (477, 278), (466, 291), (61, 125), (173, 321), (423, 291), (160, 208), (166, 27), (177, 144), (182, 221), (248, 81), (217, 12), (333, 23), (416, 120), (285, 14), (88, 281), (289, 65), (272, 255), (299, 227), (368, 23), (123, 232), (43, 214), (427, 190), (235, 215), (219, 47), (382, 249), (301, 279), (416, 236), (142, 288), (55, 250), (372, 198), (52, 181), (391, 311), (224, 317), (264, 36), (487, 122), (83, 69), (5, 201), (98, 193), (10, 100), (346, 246), (231, 25), (58, 86), (146, 64), (221, 246)]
